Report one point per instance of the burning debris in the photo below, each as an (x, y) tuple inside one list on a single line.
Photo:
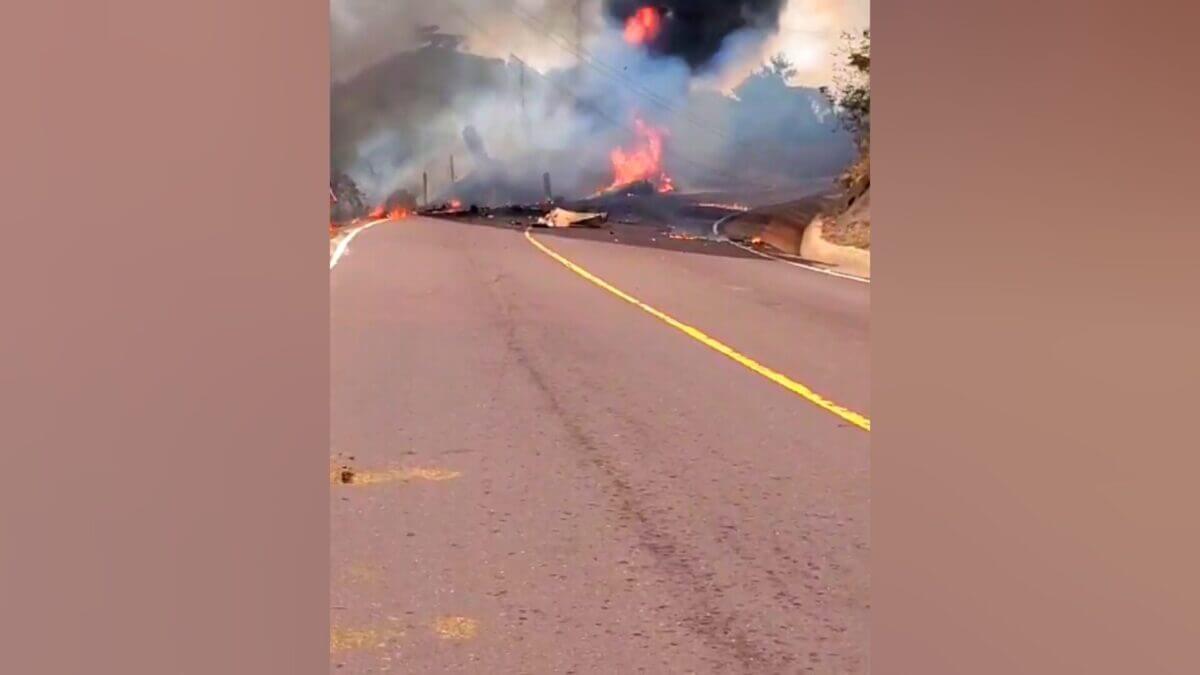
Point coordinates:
[(641, 188), (398, 205), (641, 163), (451, 208), (390, 214)]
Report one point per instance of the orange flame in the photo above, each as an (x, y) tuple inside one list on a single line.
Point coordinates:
[(643, 26), (395, 213), (643, 162)]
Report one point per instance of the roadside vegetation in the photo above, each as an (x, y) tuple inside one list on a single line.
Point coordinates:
[(850, 94), (347, 202)]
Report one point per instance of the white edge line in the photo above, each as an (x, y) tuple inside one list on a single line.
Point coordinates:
[(720, 237), (344, 244)]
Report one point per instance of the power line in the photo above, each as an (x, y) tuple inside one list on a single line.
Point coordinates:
[(588, 59), (596, 109)]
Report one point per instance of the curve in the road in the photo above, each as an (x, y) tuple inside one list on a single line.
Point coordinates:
[(858, 420), (720, 236), (344, 244)]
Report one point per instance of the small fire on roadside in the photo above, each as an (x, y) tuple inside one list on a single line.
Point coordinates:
[(394, 213), (643, 26), (400, 204), (643, 161)]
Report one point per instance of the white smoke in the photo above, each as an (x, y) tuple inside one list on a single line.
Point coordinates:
[(364, 32), (397, 118)]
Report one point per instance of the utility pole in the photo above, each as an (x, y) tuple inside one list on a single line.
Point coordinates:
[(522, 64), (452, 178), (524, 112), (425, 188)]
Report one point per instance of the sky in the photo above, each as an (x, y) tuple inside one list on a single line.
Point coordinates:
[(810, 33)]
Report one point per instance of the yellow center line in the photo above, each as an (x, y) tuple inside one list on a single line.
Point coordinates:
[(782, 380)]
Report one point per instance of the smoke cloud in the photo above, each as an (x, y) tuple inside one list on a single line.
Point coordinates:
[(697, 30), (514, 89)]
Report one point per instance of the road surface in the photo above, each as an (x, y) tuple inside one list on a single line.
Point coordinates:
[(550, 479)]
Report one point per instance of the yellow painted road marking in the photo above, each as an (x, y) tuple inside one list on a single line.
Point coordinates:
[(782, 380)]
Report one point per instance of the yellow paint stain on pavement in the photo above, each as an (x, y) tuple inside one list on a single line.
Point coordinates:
[(456, 628), (343, 473), (362, 574), (392, 475), (360, 639), (858, 420)]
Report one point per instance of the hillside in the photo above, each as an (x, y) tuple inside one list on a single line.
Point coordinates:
[(408, 114)]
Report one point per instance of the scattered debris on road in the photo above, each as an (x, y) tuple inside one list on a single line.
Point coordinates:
[(451, 208), (565, 218), (339, 469)]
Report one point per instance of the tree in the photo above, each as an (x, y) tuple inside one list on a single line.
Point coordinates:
[(351, 202), (851, 98), (780, 66), (851, 91)]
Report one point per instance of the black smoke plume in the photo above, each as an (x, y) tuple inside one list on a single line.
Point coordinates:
[(695, 30)]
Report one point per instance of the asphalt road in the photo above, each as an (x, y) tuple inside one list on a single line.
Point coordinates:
[(551, 480)]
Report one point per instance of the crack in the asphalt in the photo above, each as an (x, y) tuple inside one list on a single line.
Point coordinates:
[(716, 627), (782, 593)]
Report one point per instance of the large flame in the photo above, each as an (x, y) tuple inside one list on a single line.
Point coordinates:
[(643, 26), (643, 162)]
